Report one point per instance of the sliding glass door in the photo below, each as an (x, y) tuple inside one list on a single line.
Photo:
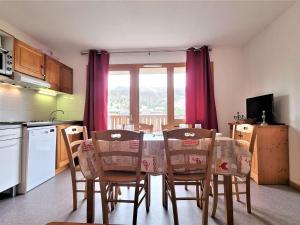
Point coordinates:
[(153, 106), (151, 94), (118, 99)]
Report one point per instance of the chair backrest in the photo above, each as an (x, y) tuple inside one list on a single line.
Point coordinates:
[(189, 150), (246, 132), (119, 150), (146, 128), (168, 127), (71, 145)]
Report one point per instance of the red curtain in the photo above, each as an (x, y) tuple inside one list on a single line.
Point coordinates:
[(200, 99), (95, 113)]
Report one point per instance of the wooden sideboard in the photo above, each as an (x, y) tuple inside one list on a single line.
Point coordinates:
[(270, 160)]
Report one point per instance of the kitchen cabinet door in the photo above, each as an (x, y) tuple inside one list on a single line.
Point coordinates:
[(9, 163), (29, 60), (62, 160), (53, 73), (61, 150), (66, 79)]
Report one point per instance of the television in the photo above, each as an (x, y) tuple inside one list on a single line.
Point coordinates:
[(257, 104)]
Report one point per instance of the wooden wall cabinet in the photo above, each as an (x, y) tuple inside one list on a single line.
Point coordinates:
[(31, 61), (270, 160), (28, 60), (66, 79), (53, 73)]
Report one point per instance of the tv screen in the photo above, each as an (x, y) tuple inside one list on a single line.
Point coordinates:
[(256, 105)]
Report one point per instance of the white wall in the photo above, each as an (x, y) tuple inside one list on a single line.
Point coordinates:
[(273, 66), (228, 73), (18, 104), (229, 85)]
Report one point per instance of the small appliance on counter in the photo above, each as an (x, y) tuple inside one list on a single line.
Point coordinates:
[(38, 156), (6, 54)]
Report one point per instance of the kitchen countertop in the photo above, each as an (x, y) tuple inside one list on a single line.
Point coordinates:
[(49, 123), (12, 123), (44, 123)]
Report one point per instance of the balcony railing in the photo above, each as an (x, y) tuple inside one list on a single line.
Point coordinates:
[(156, 120)]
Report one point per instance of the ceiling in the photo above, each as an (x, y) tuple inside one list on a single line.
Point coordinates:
[(66, 25)]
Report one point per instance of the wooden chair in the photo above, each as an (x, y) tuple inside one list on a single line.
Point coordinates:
[(186, 171), (249, 131), (121, 167), (168, 127), (146, 128), (71, 147)]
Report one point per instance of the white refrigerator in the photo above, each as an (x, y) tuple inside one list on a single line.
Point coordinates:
[(38, 156)]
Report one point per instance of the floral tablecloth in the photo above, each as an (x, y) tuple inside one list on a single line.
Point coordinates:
[(230, 157)]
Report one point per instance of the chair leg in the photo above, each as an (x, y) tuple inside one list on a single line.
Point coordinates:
[(198, 196), (113, 193), (206, 200), (74, 190), (174, 203), (236, 188), (147, 190), (248, 196), (164, 192), (136, 200), (186, 187), (201, 196), (85, 188), (215, 195), (104, 202)]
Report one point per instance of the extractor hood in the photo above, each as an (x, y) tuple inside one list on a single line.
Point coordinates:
[(26, 81)]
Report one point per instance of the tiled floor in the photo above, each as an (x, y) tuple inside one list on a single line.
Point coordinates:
[(52, 201)]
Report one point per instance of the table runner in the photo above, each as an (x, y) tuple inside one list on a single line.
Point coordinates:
[(230, 157)]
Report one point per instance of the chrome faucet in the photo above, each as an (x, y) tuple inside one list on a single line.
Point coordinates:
[(52, 118)]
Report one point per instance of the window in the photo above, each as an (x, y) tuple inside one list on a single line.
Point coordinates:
[(118, 98), (152, 94), (179, 93)]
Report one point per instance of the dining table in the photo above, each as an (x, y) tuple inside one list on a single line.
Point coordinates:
[(230, 157)]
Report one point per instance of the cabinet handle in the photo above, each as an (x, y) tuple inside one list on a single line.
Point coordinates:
[(42, 70)]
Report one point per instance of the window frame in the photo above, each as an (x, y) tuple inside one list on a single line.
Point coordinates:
[(134, 88)]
